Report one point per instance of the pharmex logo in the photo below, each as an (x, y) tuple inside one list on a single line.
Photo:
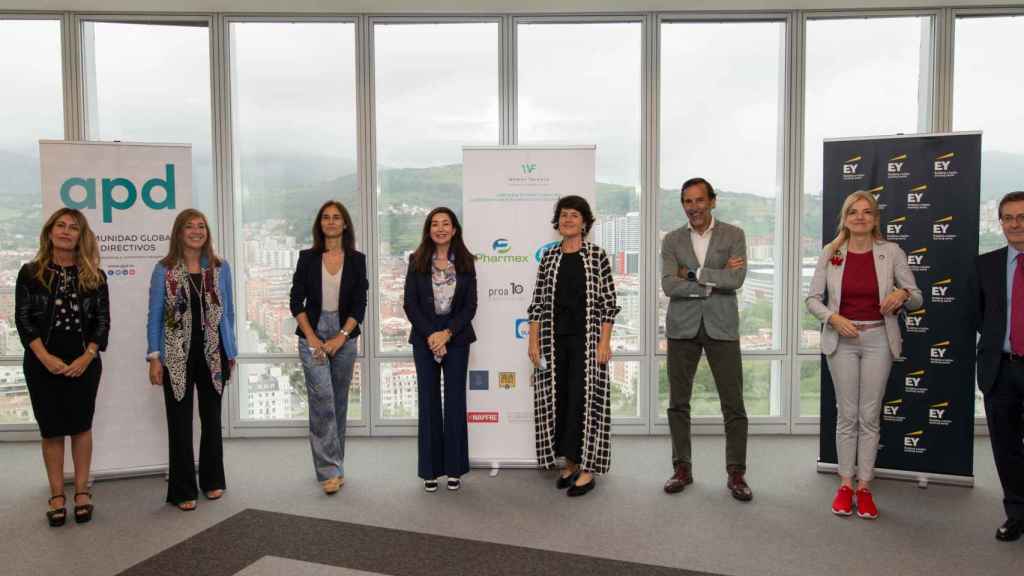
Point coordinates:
[(540, 251), (501, 246)]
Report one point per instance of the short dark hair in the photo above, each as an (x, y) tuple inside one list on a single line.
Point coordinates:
[(1017, 196), (694, 181), (579, 204)]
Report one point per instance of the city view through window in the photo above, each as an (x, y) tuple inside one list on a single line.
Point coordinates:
[(293, 89)]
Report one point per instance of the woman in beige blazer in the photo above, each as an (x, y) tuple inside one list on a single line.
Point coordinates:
[(860, 284)]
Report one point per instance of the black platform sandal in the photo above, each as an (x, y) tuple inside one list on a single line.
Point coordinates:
[(56, 516), (83, 512)]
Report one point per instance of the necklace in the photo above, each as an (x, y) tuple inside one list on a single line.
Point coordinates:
[(199, 291)]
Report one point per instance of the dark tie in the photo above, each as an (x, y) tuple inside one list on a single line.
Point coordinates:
[(1017, 309)]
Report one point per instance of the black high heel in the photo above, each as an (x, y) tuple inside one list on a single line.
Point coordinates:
[(83, 512), (56, 516)]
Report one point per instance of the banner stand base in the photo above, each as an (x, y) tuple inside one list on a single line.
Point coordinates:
[(495, 465), (120, 473), (922, 478)]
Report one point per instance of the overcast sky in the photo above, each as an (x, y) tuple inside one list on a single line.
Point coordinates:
[(721, 90)]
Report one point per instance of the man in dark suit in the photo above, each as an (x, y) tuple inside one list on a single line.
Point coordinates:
[(997, 313), (703, 266)]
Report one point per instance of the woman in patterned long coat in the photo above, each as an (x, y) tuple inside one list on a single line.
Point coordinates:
[(570, 346)]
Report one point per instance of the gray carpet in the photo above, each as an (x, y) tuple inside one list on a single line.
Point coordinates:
[(238, 543), (786, 530)]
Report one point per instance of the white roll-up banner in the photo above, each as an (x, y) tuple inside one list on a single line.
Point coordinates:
[(509, 195), (130, 193)]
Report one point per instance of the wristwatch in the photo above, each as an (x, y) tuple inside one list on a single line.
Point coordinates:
[(345, 332), (691, 275)]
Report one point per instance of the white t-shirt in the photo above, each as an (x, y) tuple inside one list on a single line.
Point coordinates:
[(330, 288)]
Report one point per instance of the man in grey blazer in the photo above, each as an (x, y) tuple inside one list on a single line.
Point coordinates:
[(703, 264)]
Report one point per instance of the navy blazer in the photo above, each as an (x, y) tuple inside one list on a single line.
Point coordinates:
[(307, 287), (419, 308), (987, 313)]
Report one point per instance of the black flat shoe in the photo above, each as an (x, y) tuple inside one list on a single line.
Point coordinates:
[(83, 512), (566, 481), (56, 516), (1010, 530), (575, 490)]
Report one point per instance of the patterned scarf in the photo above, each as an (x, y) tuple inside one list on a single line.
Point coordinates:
[(178, 325)]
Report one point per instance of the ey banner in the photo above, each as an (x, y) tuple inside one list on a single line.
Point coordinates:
[(130, 194), (508, 197), (928, 190)]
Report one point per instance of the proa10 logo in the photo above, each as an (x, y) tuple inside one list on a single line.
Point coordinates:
[(109, 203)]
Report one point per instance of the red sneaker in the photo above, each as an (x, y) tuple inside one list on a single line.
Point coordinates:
[(842, 505), (866, 504)]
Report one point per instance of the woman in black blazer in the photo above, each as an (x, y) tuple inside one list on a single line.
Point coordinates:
[(440, 302), (62, 311), (328, 301)]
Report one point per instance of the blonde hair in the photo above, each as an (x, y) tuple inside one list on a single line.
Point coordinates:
[(87, 252), (176, 249), (842, 232)]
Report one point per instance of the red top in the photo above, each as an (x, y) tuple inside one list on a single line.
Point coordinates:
[(860, 300)]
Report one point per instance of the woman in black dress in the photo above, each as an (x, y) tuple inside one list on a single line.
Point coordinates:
[(571, 318), (62, 311)]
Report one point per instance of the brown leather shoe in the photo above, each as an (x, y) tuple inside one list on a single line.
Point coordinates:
[(738, 486), (680, 480)]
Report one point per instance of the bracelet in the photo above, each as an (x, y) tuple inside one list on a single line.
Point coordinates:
[(90, 352), (345, 332)]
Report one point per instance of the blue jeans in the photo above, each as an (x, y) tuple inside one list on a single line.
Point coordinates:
[(327, 384)]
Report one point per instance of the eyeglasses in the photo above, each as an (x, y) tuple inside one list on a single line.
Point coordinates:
[(1008, 219)]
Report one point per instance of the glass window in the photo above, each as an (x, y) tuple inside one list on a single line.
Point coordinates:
[(988, 86), (151, 83), (864, 77), (760, 388), (436, 88), (30, 50), (398, 391), (722, 87), (277, 391), (581, 84), (294, 121), (625, 388), (810, 386)]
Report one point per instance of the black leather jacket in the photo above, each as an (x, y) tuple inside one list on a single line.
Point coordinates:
[(33, 310)]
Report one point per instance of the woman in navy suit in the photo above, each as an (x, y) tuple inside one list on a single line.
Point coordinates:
[(440, 302), (328, 301)]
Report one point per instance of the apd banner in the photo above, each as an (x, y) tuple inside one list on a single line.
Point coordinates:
[(131, 194), (928, 190), (508, 198)]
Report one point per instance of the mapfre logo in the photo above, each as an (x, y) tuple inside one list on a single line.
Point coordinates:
[(913, 382), (892, 411), (913, 442), (942, 229), (943, 165), (938, 414), (482, 417), (894, 168), (940, 354), (915, 322), (917, 260), (852, 168), (942, 291), (896, 229), (916, 199)]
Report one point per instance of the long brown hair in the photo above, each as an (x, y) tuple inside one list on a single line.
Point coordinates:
[(348, 235), (425, 252), (176, 250), (87, 252)]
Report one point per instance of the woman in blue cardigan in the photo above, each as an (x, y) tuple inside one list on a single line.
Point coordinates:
[(440, 302), (192, 350)]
